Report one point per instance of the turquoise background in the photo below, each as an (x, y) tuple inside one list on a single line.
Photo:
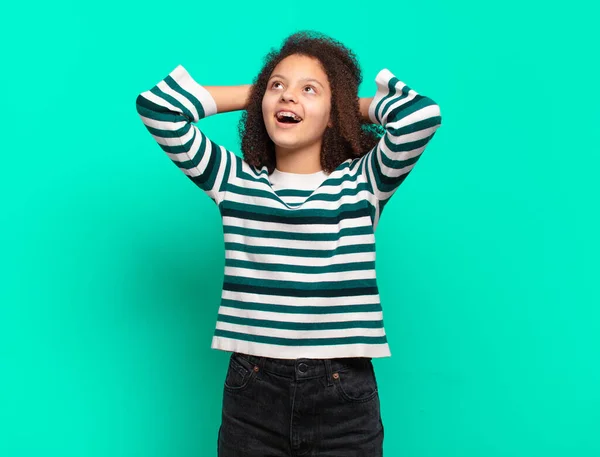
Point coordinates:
[(487, 256)]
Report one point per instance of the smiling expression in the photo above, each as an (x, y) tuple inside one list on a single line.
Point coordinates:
[(298, 86)]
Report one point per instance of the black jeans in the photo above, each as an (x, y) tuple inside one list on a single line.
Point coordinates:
[(303, 407)]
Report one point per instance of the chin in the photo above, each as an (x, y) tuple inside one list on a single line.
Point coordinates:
[(283, 139), (287, 144)]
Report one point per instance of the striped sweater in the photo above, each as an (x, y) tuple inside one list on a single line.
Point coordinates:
[(293, 188), (299, 278)]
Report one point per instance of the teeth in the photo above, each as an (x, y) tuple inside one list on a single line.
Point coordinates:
[(288, 114)]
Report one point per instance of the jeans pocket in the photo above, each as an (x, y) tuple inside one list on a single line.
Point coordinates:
[(356, 382), (240, 373)]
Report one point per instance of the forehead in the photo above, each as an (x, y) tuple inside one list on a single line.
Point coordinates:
[(296, 67)]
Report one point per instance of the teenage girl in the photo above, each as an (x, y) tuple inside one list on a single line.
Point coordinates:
[(300, 310)]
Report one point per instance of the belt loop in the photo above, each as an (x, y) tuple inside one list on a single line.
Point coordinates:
[(261, 363), (329, 371)]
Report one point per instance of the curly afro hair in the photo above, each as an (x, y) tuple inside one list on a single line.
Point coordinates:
[(349, 137)]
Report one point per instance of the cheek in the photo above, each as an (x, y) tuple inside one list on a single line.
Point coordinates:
[(267, 107), (320, 114), (265, 111)]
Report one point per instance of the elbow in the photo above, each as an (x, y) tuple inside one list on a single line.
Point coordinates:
[(139, 103)]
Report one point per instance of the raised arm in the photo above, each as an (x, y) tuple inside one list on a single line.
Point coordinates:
[(410, 121), (230, 98), (168, 111)]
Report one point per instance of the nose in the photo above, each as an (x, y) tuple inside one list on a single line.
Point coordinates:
[(288, 95)]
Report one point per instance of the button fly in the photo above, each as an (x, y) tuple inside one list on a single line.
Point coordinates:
[(303, 367)]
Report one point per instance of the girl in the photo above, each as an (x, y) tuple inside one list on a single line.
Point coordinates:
[(300, 309)]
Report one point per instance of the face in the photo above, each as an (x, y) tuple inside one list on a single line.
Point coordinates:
[(300, 85)]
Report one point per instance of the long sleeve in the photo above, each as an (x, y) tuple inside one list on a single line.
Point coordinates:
[(410, 121), (168, 111)]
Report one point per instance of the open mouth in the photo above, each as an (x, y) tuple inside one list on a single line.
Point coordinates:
[(287, 118)]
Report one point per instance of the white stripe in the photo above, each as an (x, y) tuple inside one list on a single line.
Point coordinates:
[(301, 261), (185, 80), (313, 203), (350, 240), (191, 155), (300, 301), (393, 172), (163, 86), (295, 352), (300, 277), (424, 113), (299, 334), (364, 221), (368, 169), (398, 101), (162, 125), (294, 317)]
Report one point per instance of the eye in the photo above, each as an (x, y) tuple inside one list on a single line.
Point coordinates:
[(279, 82)]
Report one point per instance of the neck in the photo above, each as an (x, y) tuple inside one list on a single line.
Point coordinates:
[(303, 160)]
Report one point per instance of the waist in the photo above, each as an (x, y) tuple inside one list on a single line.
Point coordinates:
[(303, 368)]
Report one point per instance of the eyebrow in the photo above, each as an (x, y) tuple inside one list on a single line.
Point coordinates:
[(303, 79)]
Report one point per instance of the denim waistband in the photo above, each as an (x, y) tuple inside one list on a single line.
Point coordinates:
[(304, 368)]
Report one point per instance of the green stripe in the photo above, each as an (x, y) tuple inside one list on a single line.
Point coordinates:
[(308, 269), (303, 341), (389, 94), (299, 325), (173, 101), (336, 236), (267, 194), (294, 193), (304, 309), (156, 112), (327, 253), (315, 284), (301, 213), (177, 88)]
